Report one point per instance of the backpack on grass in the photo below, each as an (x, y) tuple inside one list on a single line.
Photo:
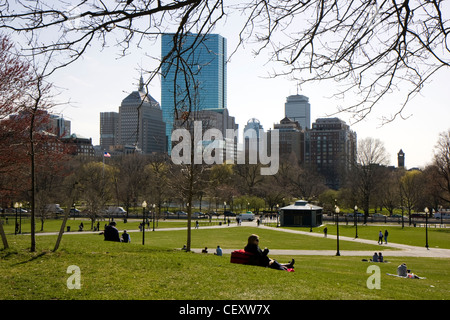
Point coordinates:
[(240, 256)]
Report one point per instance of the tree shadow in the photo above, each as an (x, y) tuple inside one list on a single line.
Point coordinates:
[(35, 257)]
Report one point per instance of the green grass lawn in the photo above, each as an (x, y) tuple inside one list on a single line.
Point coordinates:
[(437, 237), (158, 271), (53, 225)]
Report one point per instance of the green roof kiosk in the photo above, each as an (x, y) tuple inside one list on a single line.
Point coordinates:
[(301, 214)]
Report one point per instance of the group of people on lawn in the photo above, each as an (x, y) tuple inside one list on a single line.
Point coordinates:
[(111, 233)]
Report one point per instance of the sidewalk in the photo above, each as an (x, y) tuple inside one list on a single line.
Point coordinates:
[(404, 250)]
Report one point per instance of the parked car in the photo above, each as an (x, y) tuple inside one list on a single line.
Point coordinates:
[(358, 214), (246, 216), (437, 215), (54, 208), (198, 214), (118, 211), (229, 214), (74, 211), (378, 215)]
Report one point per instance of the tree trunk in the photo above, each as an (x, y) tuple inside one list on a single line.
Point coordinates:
[(33, 181), (3, 235)]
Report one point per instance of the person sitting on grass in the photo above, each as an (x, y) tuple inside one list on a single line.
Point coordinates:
[(111, 233), (260, 257), (125, 237)]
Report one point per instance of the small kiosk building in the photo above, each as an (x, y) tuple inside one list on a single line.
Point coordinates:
[(301, 214)]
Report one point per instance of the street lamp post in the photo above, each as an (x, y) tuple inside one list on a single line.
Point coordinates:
[(16, 206), (310, 215), (337, 210), (224, 209), (20, 217), (356, 222), (154, 206), (144, 206), (278, 215), (426, 227)]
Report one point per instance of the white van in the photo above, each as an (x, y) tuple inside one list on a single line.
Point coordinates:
[(116, 211), (445, 215), (246, 216)]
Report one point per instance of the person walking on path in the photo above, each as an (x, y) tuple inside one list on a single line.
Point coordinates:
[(380, 237), (386, 233), (325, 231)]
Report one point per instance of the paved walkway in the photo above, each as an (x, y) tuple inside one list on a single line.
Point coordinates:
[(402, 249)]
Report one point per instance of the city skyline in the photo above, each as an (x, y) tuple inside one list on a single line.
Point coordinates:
[(252, 94)]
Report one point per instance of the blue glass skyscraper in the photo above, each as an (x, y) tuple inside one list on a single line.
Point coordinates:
[(197, 81)]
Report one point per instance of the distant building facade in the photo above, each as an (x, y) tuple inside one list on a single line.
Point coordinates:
[(109, 130), (251, 140), (45, 121), (330, 147), (137, 127), (58, 125), (221, 120), (297, 108), (141, 123), (291, 139), (206, 56), (401, 159), (80, 146)]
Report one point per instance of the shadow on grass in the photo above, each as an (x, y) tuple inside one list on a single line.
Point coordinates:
[(34, 257)]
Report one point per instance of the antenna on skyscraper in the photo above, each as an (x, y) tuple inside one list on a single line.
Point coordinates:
[(141, 83), (298, 87)]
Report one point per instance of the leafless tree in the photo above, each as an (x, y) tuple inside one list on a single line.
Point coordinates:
[(410, 191), (371, 154), (188, 171), (442, 164), (157, 171), (370, 48)]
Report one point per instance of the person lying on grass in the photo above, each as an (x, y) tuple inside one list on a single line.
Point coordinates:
[(260, 258)]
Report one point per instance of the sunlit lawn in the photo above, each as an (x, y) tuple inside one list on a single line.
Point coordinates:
[(159, 271)]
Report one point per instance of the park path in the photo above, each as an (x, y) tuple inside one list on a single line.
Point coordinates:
[(402, 250)]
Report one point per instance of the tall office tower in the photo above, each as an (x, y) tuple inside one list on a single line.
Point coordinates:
[(205, 87), (401, 159), (44, 121), (297, 108), (109, 129), (141, 122), (255, 125), (215, 119), (59, 126), (251, 138), (291, 139), (330, 147)]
